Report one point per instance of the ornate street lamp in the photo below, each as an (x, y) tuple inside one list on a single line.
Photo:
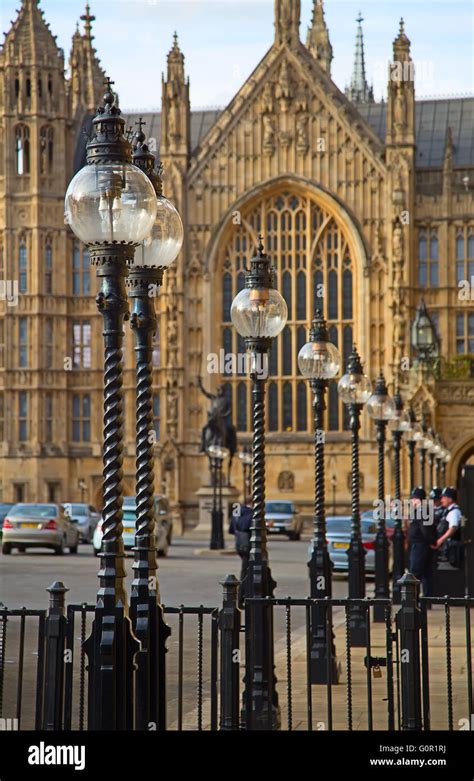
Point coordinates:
[(399, 425), (413, 435), (381, 409), (424, 442), (445, 462), (355, 390), (319, 361), (259, 313), (217, 456), (245, 457), (158, 250), (424, 339), (438, 459), (111, 206)]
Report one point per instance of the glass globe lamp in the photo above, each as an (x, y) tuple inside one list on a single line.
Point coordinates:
[(354, 388), (400, 421), (319, 360), (381, 406), (415, 433), (218, 452), (110, 202), (245, 457), (161, 248), (259, 313)]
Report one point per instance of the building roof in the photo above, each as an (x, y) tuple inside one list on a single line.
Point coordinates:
[(432, 119), (201, 123)]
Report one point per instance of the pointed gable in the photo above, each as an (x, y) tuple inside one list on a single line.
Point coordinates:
[(30, 40)]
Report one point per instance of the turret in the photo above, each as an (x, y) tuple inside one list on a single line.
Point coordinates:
[(176, 109), (317, 39), (287, 22), (401, 93)]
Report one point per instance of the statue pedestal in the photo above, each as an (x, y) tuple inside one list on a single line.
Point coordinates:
[(230, 496)]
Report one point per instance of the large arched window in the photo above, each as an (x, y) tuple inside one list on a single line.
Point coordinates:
[(310, 251), (22, 150)]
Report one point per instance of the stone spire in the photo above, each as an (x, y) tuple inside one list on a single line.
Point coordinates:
[(317, 39), (176, 109), (87, 75), (88, 19), (401, 93), (359, 91), (287, 22)]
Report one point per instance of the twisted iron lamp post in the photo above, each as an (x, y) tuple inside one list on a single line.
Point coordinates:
[(355, 389), (431, 457), (319, 361), (444, 464), (399, 424), (259, 313), (423, 445), (158, 251), (217, 456), (414, 434), (111, 206), (245, 457), (381, 409)]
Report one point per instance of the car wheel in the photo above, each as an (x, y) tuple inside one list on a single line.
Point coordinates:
[(21, 549), (6, 548), (59, 549)]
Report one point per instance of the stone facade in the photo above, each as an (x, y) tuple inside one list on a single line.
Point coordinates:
[(344, 208)]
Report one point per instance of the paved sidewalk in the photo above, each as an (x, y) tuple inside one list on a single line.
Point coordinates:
[(359, 678), (438, 679)]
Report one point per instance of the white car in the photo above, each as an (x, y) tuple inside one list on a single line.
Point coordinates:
[(163, 526)]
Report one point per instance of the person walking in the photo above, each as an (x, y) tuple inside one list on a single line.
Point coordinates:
[(240, 525), (421, 537)]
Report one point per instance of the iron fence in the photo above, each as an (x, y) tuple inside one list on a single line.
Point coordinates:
[(387, 684)]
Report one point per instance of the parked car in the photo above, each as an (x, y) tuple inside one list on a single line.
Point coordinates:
[(86, 518), (282, 517), (368, 515), (338, 535), (4, 508), (163, 525), (39, 526)]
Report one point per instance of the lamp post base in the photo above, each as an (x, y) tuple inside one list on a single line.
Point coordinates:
[(217, 530)]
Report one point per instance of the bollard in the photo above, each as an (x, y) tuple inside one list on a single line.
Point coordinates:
[(229, 623), (55, 636), (409, 625)]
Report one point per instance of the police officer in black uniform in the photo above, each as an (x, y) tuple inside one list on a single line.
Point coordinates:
[(448, 543), (421, 538)]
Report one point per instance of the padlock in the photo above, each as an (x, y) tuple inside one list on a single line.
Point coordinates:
[(377, 671)]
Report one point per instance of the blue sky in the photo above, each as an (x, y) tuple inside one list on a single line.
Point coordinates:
[(223, 40)]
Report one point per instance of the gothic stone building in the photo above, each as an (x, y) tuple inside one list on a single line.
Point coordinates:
[(365, 208)]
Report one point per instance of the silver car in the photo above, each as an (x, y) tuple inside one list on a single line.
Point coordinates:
[(85, 517), (338, 537), (39, 526), (163, 525)]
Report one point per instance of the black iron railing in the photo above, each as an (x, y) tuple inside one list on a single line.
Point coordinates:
[(385, 684)]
